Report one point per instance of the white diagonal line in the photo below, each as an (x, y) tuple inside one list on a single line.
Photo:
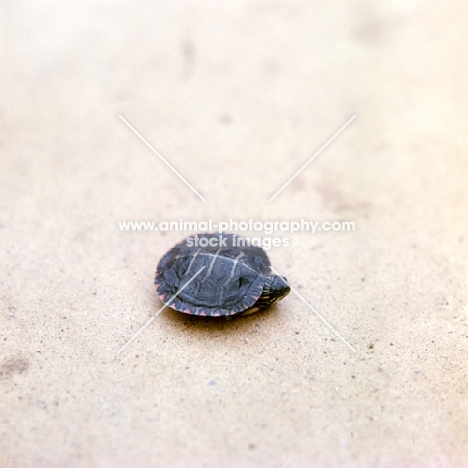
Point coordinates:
[(311, 159), (161, 157), (317, 314), (159, 311)]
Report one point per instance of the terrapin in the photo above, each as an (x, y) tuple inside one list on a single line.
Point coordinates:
[(218, 275)]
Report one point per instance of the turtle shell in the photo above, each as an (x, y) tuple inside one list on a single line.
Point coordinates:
[(230, 281)]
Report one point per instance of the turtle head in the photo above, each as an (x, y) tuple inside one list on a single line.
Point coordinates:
[(275, 288)]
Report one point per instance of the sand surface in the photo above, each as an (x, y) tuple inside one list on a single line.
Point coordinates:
[(237, 96)]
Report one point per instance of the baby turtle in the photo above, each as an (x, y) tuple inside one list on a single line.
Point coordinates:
[(235, 279)]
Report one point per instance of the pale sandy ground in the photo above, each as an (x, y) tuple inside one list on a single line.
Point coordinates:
[(237, 96)]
